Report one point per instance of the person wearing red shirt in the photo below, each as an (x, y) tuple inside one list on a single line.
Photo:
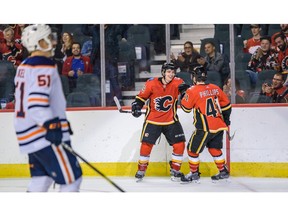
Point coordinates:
[(76, 65), (161, 117), (284, 30), (282, 51), (11, 50), (251, 45)]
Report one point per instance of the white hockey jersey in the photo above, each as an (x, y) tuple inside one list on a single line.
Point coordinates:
[(38, 97)]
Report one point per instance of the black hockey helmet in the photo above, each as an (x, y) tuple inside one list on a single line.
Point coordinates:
[(167, 66), (199, 73)]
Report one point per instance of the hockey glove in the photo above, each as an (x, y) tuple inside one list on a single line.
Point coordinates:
[(226, 119), (182, 89), (54, 132), (136, 109)]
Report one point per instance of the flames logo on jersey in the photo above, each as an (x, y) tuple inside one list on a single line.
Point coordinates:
[(163, 104)]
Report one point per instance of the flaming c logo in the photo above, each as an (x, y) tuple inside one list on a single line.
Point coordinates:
[(284, 64), (163, 104)]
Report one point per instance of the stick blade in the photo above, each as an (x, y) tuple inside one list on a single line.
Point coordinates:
[(117, 103)]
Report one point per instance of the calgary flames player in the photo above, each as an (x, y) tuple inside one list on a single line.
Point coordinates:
[(161, 117), (211, 109)]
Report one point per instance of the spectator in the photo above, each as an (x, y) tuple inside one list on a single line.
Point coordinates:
[(284, 30), (186, 60), (240, 94), (264, 58), (67, 41), (112, 35), (251, 45), (282, 52), (274, 90), (76, 65), (215, 61), (11, 50), (18, 28)]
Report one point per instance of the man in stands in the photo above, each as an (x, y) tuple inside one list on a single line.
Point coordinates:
[(282, 51), (76, 65), (275, 90)]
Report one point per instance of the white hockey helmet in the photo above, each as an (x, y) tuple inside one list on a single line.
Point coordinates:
[(32, 34)]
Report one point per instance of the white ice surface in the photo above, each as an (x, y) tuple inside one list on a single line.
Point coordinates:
[(157, 196)]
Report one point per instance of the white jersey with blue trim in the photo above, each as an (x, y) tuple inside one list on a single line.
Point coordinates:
[(38, 97)]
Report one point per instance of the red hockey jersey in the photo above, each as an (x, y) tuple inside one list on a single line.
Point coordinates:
[(208, 102), (162, 105)]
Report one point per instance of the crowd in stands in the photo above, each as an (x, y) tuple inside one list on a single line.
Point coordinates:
[(261, 59)]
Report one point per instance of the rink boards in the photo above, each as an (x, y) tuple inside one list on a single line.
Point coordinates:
[(110, 141)]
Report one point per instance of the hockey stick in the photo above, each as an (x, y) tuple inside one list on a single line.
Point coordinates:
[(120, 108), (68, 148)]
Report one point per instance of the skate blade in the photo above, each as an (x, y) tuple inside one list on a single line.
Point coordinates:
[(175, 179), (139, 180), (221, 181), (189, 182)]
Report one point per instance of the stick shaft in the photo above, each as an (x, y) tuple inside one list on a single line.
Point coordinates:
[(120, 107), (68, 148)]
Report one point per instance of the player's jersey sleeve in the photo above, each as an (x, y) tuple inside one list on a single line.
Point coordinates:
[(146, 91), (187, 102)]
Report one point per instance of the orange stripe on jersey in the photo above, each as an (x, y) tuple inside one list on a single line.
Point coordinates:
[(40, 130), (64, 164), (38, 99), (64, 125)]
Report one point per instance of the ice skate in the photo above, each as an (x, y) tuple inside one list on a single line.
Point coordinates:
[(191, 177), (224, 174), (175, 175), (139, 175)]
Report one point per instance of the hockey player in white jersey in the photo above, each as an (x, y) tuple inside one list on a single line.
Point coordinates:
[(40, 119)]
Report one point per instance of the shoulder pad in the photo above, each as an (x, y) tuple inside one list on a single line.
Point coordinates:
[(150, 79)]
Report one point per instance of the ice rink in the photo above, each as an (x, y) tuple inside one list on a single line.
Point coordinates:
[(155, 196), (161, 184)]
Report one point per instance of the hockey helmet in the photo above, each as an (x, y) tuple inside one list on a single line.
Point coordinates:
[(167, 66), (199, 73), (32, 34)]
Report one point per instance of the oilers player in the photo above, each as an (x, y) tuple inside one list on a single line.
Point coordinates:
[(40, 120), (161, 117)]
